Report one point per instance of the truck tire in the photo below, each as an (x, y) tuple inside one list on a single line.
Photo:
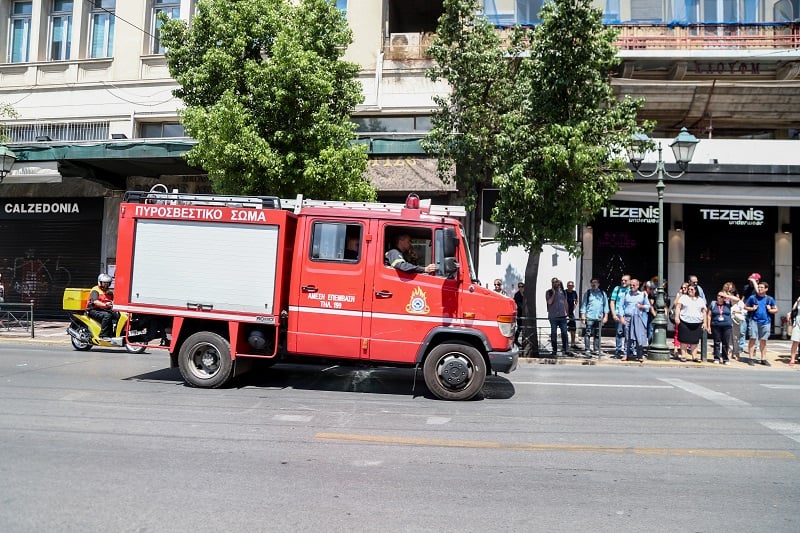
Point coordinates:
[(205, 360), (454, 371)]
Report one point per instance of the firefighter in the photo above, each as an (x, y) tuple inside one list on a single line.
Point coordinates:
[(396, 257), (100, 306)]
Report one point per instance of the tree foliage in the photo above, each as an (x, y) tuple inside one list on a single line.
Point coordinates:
[(534, 115), (268, 97), (9, 112)]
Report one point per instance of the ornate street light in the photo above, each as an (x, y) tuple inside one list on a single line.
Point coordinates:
[(7, 160), (683, 148)]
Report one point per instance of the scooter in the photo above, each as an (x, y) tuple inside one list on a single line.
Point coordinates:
[(84, 331)]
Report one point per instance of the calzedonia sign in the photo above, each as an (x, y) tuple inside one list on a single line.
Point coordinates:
[(635, 215), (51, 208)]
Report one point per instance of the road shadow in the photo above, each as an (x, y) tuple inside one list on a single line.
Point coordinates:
[(338, 378)]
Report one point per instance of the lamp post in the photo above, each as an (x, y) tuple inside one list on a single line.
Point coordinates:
[(683, 148), (7, 160)]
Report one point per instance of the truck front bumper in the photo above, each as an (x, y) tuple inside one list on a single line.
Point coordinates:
[(504, 362)]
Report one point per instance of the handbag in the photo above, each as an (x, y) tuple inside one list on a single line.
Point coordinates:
[(672, 315), (737, 315)]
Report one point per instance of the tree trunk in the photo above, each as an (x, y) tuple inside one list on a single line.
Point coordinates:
[(531, 278)]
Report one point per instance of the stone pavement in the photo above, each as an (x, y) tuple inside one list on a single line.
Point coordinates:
[(54, 332)]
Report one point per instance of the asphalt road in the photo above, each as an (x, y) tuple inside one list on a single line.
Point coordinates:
[(108, 441)]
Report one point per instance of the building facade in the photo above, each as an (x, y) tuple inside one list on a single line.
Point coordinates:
[(97, 117)]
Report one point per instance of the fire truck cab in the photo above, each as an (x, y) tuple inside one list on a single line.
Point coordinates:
[(241, 278)]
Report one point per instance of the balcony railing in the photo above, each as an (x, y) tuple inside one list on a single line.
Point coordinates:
[(705, 36), (404, 46)]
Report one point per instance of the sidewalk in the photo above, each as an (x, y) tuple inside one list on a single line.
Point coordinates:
[(55, 332), (777, 356)]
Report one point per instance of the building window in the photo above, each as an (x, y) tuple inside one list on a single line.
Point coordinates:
[(101, 43), (60, 30), (20, 34), (173, 10), (158, 130), (393, 124)]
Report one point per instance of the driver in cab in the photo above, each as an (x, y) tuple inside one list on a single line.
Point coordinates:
[(401, 255)]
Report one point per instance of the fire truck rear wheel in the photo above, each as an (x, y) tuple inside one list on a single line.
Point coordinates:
[(205, 360), (454, 371)]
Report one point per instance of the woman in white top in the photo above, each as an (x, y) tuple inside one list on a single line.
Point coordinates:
[(675, 342), (691, 318), (795, 330)]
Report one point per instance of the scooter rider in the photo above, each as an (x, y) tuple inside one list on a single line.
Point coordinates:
[(101, 304)]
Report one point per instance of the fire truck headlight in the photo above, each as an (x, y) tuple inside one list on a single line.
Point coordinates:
[(507, 325)]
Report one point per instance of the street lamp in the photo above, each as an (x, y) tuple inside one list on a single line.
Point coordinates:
[(7, 160), (683, 148)]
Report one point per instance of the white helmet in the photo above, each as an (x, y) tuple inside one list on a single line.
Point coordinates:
[(103, 278)]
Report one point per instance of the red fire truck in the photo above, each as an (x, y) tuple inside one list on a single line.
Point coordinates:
[(235, 279)]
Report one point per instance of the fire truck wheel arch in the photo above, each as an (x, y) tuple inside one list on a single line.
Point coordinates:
[(454, 371)]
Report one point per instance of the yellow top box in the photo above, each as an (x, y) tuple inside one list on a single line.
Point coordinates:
[(76, 299)]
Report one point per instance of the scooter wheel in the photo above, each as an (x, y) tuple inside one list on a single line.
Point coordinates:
[(80, 345)]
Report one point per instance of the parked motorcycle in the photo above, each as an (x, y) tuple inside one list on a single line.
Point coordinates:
[(84, 331)]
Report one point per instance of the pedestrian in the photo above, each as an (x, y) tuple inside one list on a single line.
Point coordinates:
[(794, 319), (693, 281), (557, 314), (498, 287), (572, 305), (594, 314), (760, 307), (691, 319), (650, 291), (2, 290), (635, 308), (519, 299), (615, 305), (721, 324), (738, 322), (673, 312)]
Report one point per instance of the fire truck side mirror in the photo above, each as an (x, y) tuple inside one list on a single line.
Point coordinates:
[(450, 242), (450, 266)]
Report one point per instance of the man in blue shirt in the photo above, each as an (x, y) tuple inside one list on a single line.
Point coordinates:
[(615, 305), (759, 309), (594, 314), (635, 308)]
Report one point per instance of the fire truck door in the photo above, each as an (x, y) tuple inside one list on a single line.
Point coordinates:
[(406, 306), (329, 314)]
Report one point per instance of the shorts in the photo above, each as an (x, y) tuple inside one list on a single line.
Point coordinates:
[(759, 331), (571, 324)]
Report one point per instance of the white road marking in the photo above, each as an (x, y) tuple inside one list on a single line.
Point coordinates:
[(437, 420), (789, 430), (719, 398), (293, 418), (606, 385), (781, 387)]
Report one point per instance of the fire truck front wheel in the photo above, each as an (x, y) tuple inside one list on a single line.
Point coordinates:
[(205, 360), (454, 371)]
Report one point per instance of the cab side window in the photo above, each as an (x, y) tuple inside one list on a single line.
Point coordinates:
[(418, 250), (336, 241)]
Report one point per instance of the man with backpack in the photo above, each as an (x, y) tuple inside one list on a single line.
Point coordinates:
[(594, 314)]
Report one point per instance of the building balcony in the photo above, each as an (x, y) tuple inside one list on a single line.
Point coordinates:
[(657, 38), (713, 37)]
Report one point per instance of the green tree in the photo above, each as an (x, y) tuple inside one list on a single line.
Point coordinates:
[(9, 112), (268, 97), (535, 116)]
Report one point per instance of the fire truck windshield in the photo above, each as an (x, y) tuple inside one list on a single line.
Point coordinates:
[(473, 276)]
